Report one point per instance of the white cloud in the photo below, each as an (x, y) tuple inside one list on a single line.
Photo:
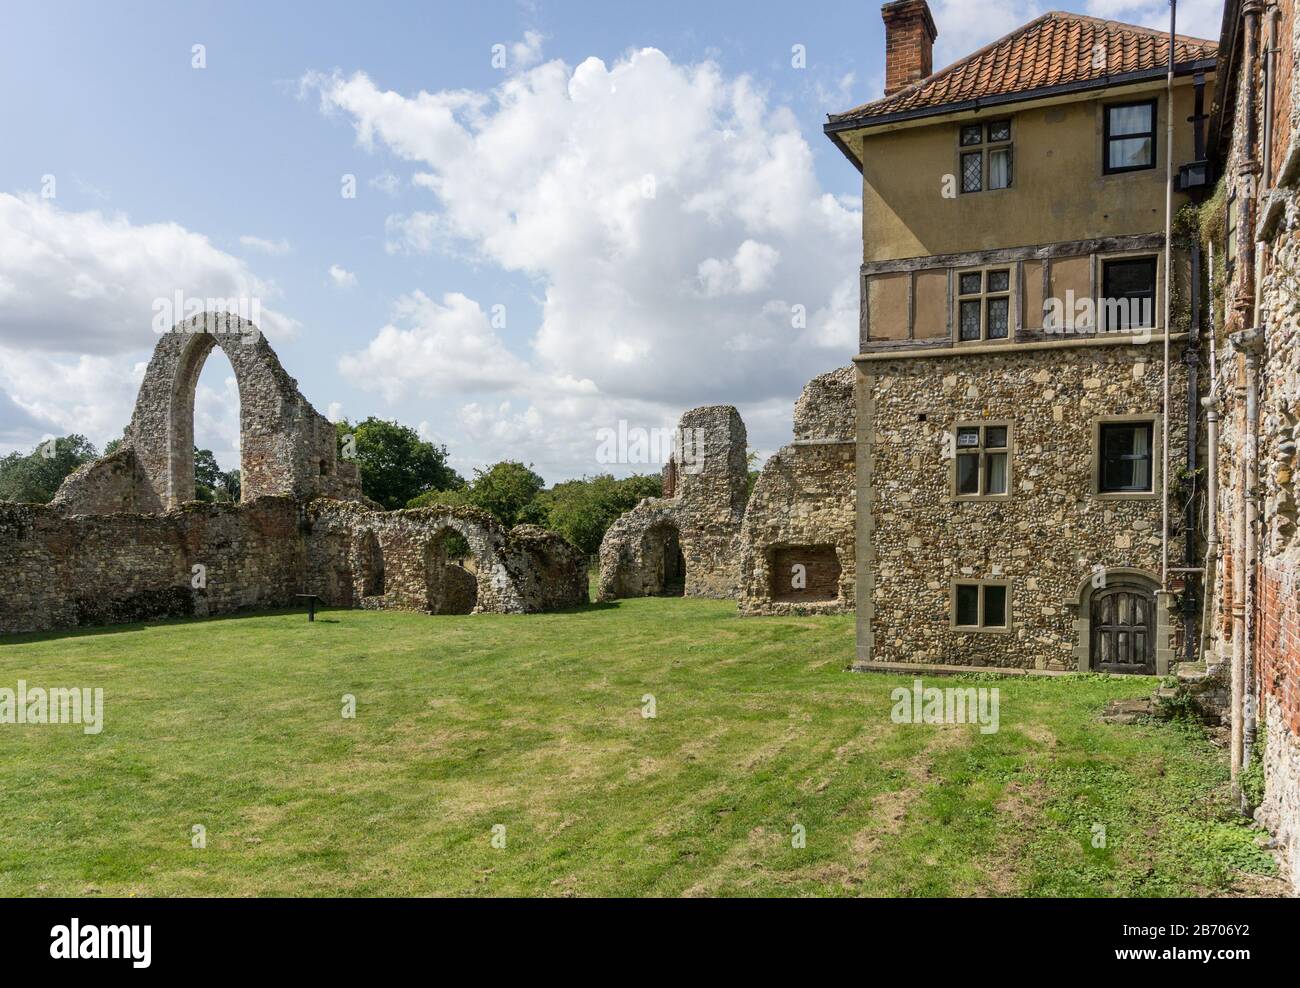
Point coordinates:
[(77, 296), (86, 282), (434, 347), (275, 248), (387, 183), (749, 271), (669, 216), (341, 277), (528, 52)]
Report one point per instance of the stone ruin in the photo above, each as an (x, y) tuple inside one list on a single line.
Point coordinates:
[(686, 542), (124, 540), (799, 541), (789, 549)]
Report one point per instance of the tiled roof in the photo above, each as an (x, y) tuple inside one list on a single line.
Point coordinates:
[(1056, 49)]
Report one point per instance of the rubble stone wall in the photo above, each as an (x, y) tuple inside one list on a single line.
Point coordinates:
[(709, 483), (798, 544), (59, 572), (916, 538), (521, 571)]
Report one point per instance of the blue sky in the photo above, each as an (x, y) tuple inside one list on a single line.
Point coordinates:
[(588, 233)]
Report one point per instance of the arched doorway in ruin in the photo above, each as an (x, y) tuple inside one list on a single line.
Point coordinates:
[(663, 560), (450, 573), (371, 578)]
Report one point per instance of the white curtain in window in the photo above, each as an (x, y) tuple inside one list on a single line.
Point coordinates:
[(1141, 468), (1000, 169), (1130, 120), (997, 479)]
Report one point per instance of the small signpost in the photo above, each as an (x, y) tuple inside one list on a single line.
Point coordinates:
[(311, 599)]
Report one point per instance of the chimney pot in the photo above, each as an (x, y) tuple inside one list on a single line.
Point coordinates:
[(909, 43)]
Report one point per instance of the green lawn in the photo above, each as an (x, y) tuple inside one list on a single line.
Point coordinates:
[(535, 723)]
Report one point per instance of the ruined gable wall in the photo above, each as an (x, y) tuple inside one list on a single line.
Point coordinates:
[(706, 511), (803, 510)]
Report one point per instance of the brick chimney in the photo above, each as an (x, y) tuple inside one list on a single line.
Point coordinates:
[(909, 43)]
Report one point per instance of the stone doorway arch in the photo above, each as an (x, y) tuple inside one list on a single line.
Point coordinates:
[(452, 586)]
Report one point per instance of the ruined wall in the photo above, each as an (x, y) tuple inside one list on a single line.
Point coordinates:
[(521, 571), (915, 538), (59, 572), (708, 480), (286, 446), (1270, 593), (798, 538)]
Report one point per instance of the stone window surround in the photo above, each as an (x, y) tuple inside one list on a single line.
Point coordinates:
[(1157, 464), (1011, 455), (1014, 258), (970, 629)]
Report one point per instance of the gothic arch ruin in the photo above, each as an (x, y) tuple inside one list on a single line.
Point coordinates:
[(286, 446)]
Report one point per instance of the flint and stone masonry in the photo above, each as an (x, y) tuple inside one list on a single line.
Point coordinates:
[(125, 541), (686, 542)]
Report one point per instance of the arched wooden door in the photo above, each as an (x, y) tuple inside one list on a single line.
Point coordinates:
[(1123, 631)]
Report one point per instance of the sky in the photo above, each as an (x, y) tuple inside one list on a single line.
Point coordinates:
[(566, 216)]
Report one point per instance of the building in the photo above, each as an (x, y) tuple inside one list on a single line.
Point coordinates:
[(1252, 626), (1029, 349)]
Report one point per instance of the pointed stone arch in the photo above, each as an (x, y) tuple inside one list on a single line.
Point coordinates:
[(286, 446)]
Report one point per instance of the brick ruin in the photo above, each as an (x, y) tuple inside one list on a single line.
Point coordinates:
[(124, 540)]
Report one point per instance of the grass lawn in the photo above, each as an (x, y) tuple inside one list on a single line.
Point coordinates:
[(535, 723)]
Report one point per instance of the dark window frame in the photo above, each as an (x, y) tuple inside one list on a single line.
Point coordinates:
[(1107, 263), (1107, 137), (983, 298), (1104, 461)]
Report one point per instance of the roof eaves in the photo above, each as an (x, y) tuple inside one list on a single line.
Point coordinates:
[(840, 123)]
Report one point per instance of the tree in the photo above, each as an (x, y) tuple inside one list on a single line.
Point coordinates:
[(211, 483), (583, 510), (396, 464), (507, 490), (34, 478)]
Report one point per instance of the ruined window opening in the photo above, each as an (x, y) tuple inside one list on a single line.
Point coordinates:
[(1126, 457), (805, 573), (1130, 137), (324, 468), (984, 305), (988, 165), (981, 606), (372, 566), (983, 460), (452, 587)]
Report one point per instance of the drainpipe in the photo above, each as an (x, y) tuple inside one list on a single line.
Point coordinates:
[(1211, 405), (1250, 343), (1169, 269), (1238, 631)]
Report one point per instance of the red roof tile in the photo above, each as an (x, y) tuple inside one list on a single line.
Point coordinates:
[(1056, 49)]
